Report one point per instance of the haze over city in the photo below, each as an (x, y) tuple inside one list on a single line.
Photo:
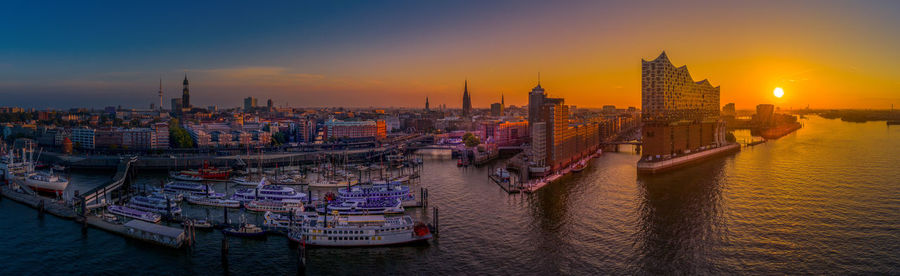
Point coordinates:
[(825, 54)]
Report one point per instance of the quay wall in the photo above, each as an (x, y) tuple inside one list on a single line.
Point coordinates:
[(681, 161), (191, 161)]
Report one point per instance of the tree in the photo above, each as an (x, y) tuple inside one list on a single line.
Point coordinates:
[(471, 140), (729, 137), (278, 139), (178, 136)]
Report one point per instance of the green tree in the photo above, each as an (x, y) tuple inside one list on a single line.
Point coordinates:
[(278, 139), (178, 136), (471, 140)]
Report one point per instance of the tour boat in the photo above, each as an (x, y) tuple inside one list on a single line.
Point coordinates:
[(276, 220), (46, 182), (358, 231), (214, 202), (282, 206), (288, 179), (188, 188), (244, 230), (185, 177), (268, 192), (154, 204), (175, 197), (368, 206), (246, 181), (394, 189), (134, 213)]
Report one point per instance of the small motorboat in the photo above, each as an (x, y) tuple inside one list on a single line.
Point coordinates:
[(245, 230)]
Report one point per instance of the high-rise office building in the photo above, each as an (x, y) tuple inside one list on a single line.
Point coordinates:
[(249, 104)]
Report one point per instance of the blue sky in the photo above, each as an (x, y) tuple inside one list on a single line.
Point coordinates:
[(394, 53)]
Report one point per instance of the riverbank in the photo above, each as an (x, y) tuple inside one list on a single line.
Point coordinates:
[(780, 131)]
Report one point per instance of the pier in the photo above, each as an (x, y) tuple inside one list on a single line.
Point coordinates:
[(99, 196)]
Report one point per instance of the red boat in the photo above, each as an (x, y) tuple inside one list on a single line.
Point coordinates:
[(208, 173)]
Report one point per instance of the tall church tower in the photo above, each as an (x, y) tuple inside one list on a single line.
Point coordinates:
[(467, 101), (186, 95), (426, 104)]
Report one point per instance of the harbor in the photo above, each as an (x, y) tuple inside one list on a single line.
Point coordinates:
[(131, 209)]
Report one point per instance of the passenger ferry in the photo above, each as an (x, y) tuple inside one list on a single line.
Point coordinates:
[(282, 206), (368, 206), (134, 213), (269, 192), (188, 189), (358, 231), (394, 189), (214, 202), (154, 204), (185, 177)]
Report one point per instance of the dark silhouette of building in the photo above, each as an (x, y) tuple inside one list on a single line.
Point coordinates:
[(535, 102), (426, 104), (496, 109), (186, 95), (467, 101)]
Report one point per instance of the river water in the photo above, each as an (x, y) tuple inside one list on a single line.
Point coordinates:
[(823, 200)]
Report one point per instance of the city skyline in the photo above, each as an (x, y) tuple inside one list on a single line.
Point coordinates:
[(823, 54)]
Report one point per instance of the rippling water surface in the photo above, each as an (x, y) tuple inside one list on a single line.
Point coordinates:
[(823, 200)]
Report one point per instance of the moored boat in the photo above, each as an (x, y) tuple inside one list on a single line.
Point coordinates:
[(391, 190), (160, 205), (244, 230), (282, 206), (268, 192), (46, 182), (368, 206), (359, 231), (188, 189), (134, 213), (214, 202)]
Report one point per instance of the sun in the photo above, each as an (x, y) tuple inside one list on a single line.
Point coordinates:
[(778, 92)]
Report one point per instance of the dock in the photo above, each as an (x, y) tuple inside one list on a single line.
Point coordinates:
[(507, 186)]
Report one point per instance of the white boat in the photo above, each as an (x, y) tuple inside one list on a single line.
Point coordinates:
[(188, 189), (185, 177), (134, 213), (245, 181), (46, 182), (215, 202), (154, 204), (282, 206), (268, 192), (367, 206), (358, 231)]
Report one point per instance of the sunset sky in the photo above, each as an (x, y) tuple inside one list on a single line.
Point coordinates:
[(827, 54)]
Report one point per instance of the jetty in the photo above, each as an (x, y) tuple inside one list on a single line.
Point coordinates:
[(77, 209)]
